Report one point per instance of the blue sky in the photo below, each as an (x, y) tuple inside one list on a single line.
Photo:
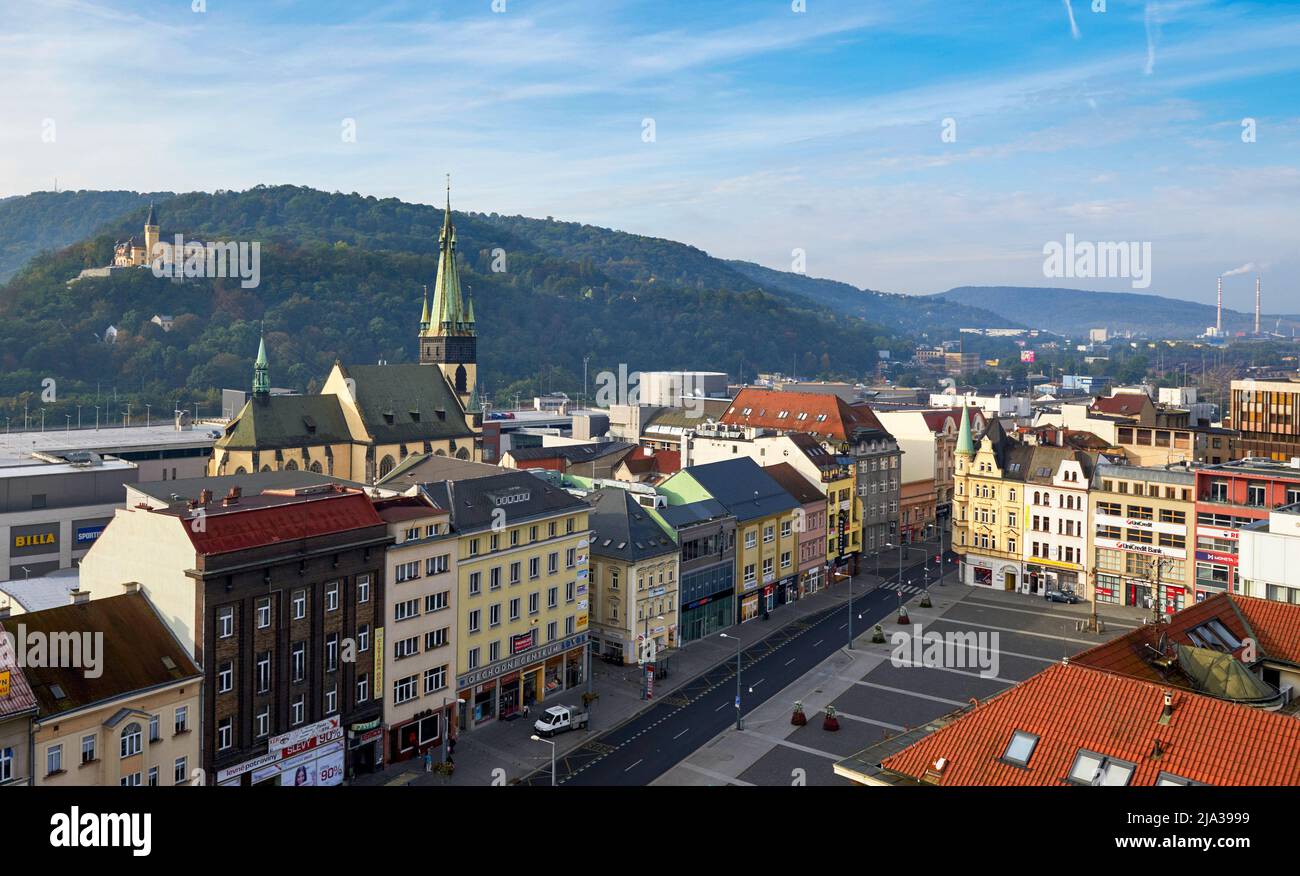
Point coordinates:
[(775, 130)]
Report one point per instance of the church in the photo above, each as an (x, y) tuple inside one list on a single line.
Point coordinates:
[(130, 253), (370, 419)]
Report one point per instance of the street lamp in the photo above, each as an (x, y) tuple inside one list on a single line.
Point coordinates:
[(551, 743), (739, 723)]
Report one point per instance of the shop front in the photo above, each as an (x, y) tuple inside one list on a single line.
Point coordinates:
[(312, 755), (989, 572), (707, 615), (810, 581), (412, 738), (1109, 589), (1041, 577), (749, 606), (366, 746), (503, 689)]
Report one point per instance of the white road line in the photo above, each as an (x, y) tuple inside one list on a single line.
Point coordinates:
[(638, 763), (912, 693), (757, 683), (791, 660), (1111, 622), (721, 707), (714, 775), (796, 746), (683, 733), (818, 642), (966, 672), (966, 623), (898, 728), (842, 626)]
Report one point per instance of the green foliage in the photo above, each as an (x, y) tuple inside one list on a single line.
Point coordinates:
[(341, 279)]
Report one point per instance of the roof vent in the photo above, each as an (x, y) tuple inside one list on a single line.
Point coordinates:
[(205, 496), (232, 497), (1168, 711)]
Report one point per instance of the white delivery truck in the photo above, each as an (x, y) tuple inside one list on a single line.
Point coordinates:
[(557, 719)]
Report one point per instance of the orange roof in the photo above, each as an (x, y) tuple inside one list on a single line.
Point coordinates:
[(1072, 708), (1275, 627), (816, 413)]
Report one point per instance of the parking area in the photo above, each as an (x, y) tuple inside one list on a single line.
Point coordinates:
[(972, 644)]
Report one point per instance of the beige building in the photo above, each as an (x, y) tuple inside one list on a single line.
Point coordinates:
[(1141, 524), (634, 572), (420, 649), (123, 708)]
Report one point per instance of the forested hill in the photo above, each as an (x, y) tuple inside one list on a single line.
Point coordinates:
[(341, 278)]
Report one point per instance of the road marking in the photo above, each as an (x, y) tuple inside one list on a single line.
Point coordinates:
[(756, 684), (997, 678), (842, 626), (895, 727), (796, 746), (791, 660), (713, 775), (638, 763), (912, 693), (721, 707), (683, 733), (1113, 622), (1053, 636), (818, 642)]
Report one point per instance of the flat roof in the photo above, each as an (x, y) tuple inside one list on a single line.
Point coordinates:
[(38, 594), (27, 468), (18, 445)]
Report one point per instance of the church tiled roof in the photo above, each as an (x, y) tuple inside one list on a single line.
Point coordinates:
[(407, 403), (282, 421)]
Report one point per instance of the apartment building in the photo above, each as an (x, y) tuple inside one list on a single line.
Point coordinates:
[(989, 507), (1230, 497), (634, 579), (522, 554), (705, 535), (1056, 481), (420, 643), (1142, 522), (1266, 416), (811, 528)]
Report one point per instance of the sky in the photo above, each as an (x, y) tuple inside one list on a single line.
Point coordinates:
[(900, 146)]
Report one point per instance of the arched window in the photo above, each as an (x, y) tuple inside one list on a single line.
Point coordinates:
[(131, 739), (386, 466), (241, 470), (462, 453), (460, 379), (291, 466), (441, 453), (266, 468), (315, 466)]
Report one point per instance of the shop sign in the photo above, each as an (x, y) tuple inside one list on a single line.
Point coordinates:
[(522, 642), (379, 663), (1134, 547), (293, 737), (88, 534), (1217, 557), (1216, 532), (517, 662)]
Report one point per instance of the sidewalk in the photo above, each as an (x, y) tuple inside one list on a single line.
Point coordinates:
[(501, 752)]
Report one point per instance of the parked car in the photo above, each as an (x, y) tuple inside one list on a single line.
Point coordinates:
[(1066, 596), (558, 719)]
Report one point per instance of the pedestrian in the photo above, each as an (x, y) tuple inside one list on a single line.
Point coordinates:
[(428, 760)]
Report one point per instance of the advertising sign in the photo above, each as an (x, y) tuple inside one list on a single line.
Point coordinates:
[(38, 538), (1027, 355)]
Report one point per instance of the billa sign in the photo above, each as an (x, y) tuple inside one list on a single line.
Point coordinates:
[(42, 538)]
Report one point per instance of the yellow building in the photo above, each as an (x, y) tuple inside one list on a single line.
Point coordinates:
[(988, 506), (767, 541), (634, 586), (522, 599), (368, 419), (119, 705)]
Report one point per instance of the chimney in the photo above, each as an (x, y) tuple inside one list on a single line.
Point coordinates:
[(205, 496), (232, 497), (1168, 711), (78, 597), (130, 586), (1257, 305), (1218, 319)]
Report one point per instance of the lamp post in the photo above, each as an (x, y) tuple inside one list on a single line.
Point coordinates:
[(646, 658), (850, 612), (551, 743), (739, 723), (446, 724)]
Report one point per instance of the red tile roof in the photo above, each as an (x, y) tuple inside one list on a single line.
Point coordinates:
[(1127, 404), (1072, 707), (1276, 626), (838, 419), (266, 520), (664, 462), (20, 698)]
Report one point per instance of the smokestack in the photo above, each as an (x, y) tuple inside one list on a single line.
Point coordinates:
[(1218, 319), (1257, 305)]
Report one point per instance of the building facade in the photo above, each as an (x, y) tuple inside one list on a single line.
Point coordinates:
[(705, 534), (1230, 497), (522, 580), (1266, 416), (1142, 525), (420, 642), (1055, 540), (989, 507)]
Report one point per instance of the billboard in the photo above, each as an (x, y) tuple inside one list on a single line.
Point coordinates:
[(1027, 356)]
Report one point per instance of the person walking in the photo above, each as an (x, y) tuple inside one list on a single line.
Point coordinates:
[(428, 760)]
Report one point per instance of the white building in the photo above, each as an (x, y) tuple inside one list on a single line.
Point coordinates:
[(670, 389), (1269, 556), (1055, 547), (997, 406)]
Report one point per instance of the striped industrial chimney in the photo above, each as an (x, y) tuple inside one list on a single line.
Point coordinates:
[(1218, 319), (1257, 305)]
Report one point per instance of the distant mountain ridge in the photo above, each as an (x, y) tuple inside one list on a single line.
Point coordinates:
[(1072, 312)]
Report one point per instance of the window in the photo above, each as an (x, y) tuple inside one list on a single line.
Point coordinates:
[(569, 625), (154, 735), (182, 722), (568, 591), (298, 656), (553, 562), (475, 620), (437, 565), (6, 765), (1097, 769), (264, 613), (264, 672), (1218, 491), (1167, 779), (406, 609), (1256, 494), (552, 627), (514, 609), (180, 770), (225, 623), (153, 777), (404, 689), (494, 615), (225, 677), (407, 571), (570, 558), (263, 721), (332, 596), (553, 597), (1020, 748), (331, 652), (533, 599), (514, 573), (435, 639), (299, 604), (494, 578), (751, 538), (494, 652), (473, 547), (225, 733), (130, 780), (473, 658), (53, 759), (331, 701), (534, 568), (769, 533), (87, 749), (435, 679), (298, 711), (363, 688), (475, 583), (363, 638), (436, 601)]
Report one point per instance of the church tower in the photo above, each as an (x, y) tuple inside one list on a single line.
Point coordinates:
[(448, 337), (261, 374), (150, 235)]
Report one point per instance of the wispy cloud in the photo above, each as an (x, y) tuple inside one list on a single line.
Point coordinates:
[(1074, 26)]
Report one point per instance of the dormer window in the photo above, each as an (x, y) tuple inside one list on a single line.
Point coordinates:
[(1020, 749), (1095, 769)]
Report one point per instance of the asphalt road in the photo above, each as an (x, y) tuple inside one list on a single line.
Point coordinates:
[(642, 749)]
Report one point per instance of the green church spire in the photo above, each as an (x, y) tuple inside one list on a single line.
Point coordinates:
[(261, 371), (424, 316), (448, 307), (964, 443)]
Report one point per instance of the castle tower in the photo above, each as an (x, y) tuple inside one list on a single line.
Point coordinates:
[(448, 337), (150, 235), (261, 374)]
